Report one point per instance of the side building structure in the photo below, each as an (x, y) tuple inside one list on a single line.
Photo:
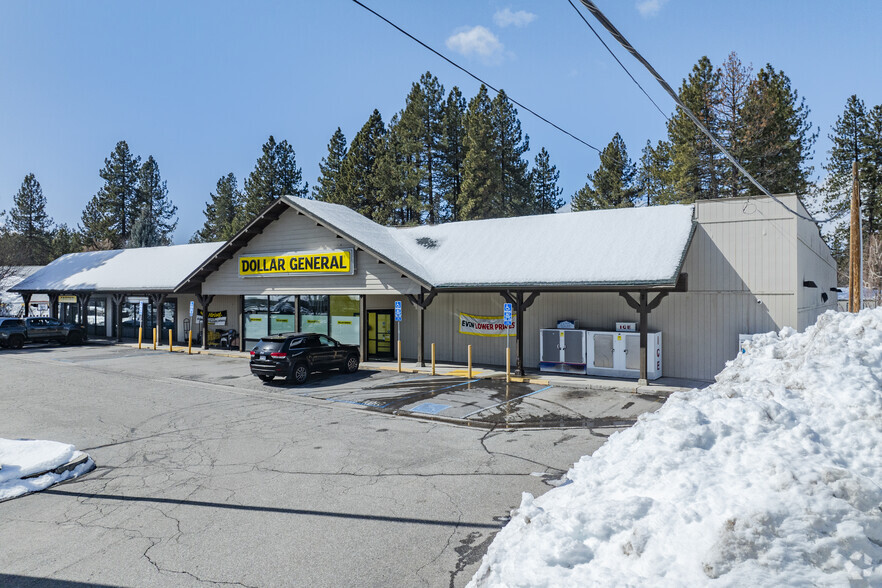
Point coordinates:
[(701, 275)]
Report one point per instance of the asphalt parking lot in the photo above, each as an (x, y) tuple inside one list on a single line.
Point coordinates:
[(207, 475)]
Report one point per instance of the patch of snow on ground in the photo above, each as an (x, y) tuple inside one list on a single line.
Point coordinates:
[(771, 476), (25, 457)]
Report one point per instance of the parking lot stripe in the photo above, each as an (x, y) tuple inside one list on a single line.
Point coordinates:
[(505, 402)]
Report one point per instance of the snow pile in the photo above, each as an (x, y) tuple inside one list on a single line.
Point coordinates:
[(770, 476), (26, 457)]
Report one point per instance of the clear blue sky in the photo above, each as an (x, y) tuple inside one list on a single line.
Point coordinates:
[(201, 85)]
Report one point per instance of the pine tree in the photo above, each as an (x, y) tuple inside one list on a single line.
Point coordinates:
[(325, 188), (154, 205), (612, 184), (653, 178), (30, 223), (453, 152), (64, 240), (481, 179), (275, 174), (871, 170), (511, 144), (543, 183), (108, 217), (696, 168), (735, 79), (777, 136), (220, 213), (145, 232), (398, 177), (359, 188)]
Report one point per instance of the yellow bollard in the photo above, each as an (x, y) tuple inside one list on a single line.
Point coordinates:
[(154, 338), (399, 356), (470, 362), (507, 364), (433, 359), (190, 342), (140, 335), (170, 341)]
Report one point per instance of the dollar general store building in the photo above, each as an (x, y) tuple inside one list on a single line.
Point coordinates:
[(695, 277)]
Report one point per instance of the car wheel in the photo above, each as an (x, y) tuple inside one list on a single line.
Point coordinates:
[(266, 378), (300, 373), (351, 365), (16, 342)]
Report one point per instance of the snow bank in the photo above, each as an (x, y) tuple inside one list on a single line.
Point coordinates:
[(770, 476), (25, 457)]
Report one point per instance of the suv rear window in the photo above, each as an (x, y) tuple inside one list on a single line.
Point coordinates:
[(270, 345), (11, 323)]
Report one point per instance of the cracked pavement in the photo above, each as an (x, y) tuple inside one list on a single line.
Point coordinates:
[(205, 476)]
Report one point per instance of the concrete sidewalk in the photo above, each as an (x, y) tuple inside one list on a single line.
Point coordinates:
[(660, 387)]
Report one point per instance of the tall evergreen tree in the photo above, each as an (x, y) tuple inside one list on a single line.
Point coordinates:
[(64, 240), (30, 224), (275, 174), (453, 152), (777, 136), (325, 188), (612, 184), (735, 79), (511, 144), (543, 183), (696, 168), (872, 170), (481, 178), (653, 178), (108, 217), (220, 213), (144, 232), (156, 209), (359, 188)]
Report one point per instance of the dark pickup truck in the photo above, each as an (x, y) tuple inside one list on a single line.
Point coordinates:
[(44, 329), (12, 332)]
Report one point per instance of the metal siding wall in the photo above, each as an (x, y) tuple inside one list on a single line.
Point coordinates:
[(293, 232), (815, 263)]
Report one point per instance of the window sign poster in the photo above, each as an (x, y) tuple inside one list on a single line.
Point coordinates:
[(217, 318)]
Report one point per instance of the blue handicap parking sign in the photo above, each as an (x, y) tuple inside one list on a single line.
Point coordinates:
[(398, 311), (506, 314)]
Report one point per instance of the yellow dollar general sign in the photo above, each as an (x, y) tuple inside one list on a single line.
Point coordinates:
[(311, 263)]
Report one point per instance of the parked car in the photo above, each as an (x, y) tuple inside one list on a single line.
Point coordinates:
[(39, 329), (12, 332), (295, 356)]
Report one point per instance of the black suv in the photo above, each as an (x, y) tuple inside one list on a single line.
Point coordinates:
[(12, 332), (294, 356)]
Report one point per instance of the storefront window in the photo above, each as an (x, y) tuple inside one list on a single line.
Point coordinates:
[(256, 317), (314, 314), (282, 314), (96, 317), (344, 319)]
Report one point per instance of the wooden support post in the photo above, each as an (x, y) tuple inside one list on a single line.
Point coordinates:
[(204, 301), (644, 335), (470, 362), (854, 250), (242, 323), (433, 359), (297, 314), (118, 300), (26, 299), (519, 333), (362, 327), (157, 300), (53, 305)]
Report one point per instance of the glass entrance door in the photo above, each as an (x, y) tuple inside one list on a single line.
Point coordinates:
[(380, 329)]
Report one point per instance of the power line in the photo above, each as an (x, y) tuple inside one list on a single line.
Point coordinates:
[(467, 72), (594, 10), (602, 42)]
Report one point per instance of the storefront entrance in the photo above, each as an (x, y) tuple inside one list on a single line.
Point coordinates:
[(380, 330)]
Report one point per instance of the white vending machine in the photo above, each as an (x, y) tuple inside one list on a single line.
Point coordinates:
[(563, 351)]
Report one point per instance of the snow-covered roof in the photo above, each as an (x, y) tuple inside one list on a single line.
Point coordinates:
[(145, 269), (592, 248)]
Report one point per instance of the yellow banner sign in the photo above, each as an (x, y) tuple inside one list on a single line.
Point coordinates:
[(67, 299), (313, 263)]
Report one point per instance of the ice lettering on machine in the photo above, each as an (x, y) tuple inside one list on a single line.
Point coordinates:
[(340, 262)]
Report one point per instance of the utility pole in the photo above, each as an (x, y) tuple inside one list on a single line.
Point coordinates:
[(854, 249)]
